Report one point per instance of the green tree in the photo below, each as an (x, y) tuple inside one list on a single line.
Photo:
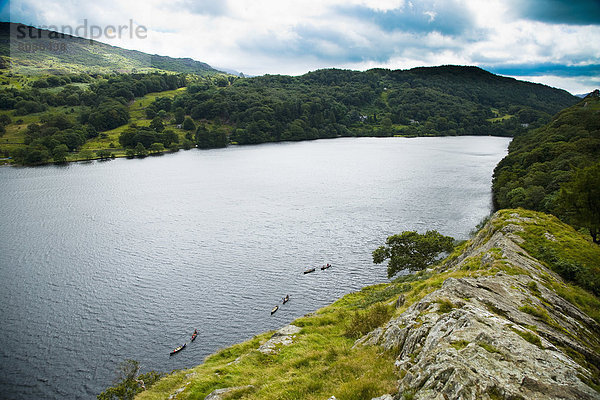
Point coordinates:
[(386, 125), (579, 200), (188, 124), (187, 144), (157, 124), (169, 137), (108, 115), (129, 382), (150, 112), (157, 148), (140, 150), (412, 251), (86, 154), (103, 154), (179, 115), (59, 153)]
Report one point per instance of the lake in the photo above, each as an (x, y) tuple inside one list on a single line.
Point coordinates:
[(106, 261)]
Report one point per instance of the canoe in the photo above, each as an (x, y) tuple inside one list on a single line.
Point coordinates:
[(194, 336), (325, 266), (178, 349), (286, 299), (308, 271), (274, 309)]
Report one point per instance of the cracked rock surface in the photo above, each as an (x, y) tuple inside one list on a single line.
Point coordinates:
[(504, 335)]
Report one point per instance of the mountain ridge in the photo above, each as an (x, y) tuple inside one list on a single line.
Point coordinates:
[(59, 53)]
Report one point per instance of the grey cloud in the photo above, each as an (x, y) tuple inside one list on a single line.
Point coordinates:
[(572, 12), (448, 17), (335, 46), (205, 7)]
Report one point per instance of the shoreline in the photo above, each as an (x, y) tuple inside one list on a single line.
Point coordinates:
[(121, 153)]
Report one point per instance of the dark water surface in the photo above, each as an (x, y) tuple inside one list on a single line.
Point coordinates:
[(104, 261)]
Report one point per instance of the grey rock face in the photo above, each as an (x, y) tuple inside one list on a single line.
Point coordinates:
[(496, 336), (384, 397), (219, 393), (283, 337)]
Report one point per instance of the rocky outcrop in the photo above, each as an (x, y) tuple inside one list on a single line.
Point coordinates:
[(282, 337), (219, 393), (501, 335)]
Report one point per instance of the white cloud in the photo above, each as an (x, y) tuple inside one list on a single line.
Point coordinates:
[(579, 85), (272, 36)]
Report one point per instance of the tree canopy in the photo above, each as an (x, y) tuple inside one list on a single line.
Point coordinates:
[(579, 200), (542, 161), (412, 251)]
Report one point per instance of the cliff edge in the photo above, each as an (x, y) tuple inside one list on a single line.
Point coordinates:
[(497, 319), (505, 335)]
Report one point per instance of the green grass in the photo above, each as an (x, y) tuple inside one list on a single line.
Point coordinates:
[(572, 254), (445, 306), (15, 132), (489, 348), (138, 106), (460, 344), (534, 288), (364, 322), (320, 363), (529, 336), (537, 312), (500, 117)]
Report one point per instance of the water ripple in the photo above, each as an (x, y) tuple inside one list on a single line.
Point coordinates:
[(100, 262)]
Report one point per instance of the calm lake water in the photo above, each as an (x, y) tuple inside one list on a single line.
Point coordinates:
[(105, 261)]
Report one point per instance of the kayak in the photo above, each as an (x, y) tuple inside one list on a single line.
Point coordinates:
[(178, 349)]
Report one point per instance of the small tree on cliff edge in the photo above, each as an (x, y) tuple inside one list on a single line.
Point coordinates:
[(129, 382), (412, 251)]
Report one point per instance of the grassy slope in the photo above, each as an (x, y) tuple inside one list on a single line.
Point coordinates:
[(15, 132), (321, 362), (83, 55), (138, 116)]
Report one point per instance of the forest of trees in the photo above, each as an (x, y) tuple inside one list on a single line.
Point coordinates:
[(556, 169), (332, 103), (216, 111)]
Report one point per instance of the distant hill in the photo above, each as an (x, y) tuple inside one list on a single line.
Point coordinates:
[(446, 100), (49, 52)]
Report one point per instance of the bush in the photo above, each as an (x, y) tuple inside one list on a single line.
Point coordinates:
[(571, 270), (129, 383), (364, 322)]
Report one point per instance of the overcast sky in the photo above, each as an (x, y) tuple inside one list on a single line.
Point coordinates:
[(553, 42)]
